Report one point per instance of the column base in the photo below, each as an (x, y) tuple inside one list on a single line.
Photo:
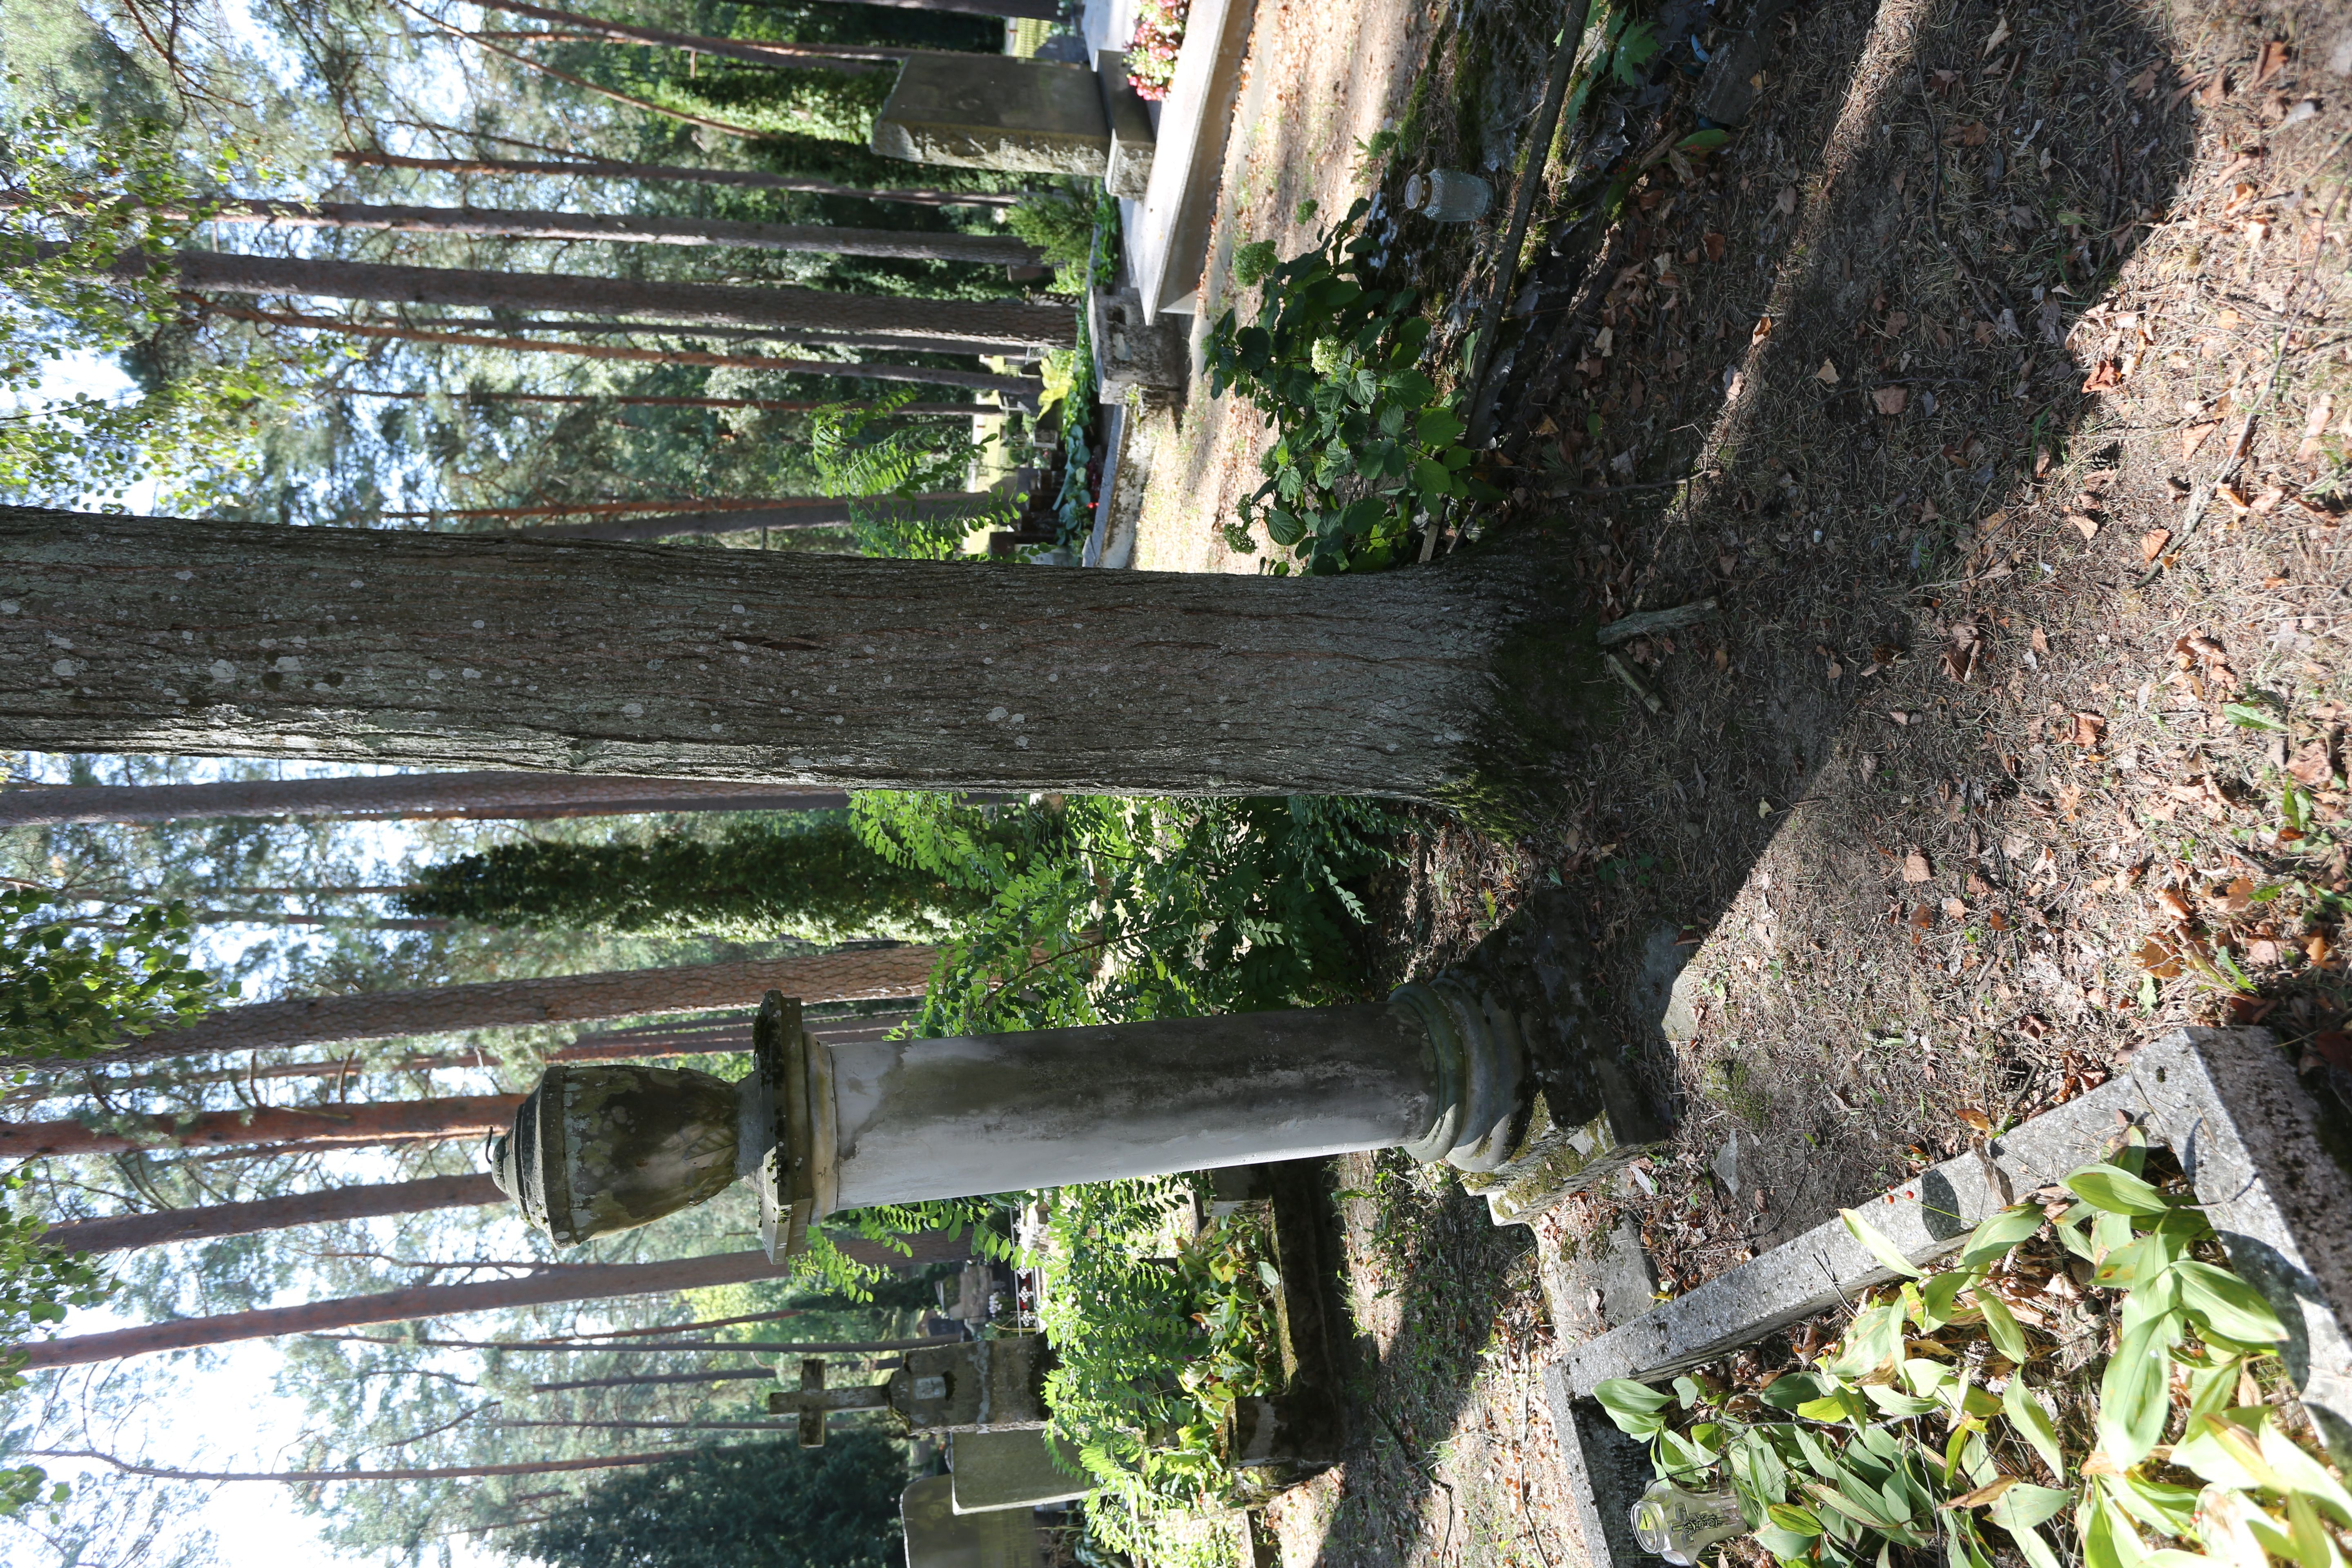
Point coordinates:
[(1542, 1106)]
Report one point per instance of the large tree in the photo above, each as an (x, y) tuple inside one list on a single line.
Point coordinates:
[(1008, 324), (856, 974), (358, 1123), (555, 1283), (671, 173), (478, 797), (204, 638)]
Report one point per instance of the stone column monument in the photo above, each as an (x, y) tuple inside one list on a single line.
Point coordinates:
[(1497, 1067)]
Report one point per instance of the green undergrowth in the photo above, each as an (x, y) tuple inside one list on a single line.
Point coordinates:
[(1156, 1333), (2091, 1369)]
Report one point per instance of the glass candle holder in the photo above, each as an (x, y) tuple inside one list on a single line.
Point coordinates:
[(1679, 1525), (1448, 195)]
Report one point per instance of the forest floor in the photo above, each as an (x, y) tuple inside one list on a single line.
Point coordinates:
[(1996, 381)]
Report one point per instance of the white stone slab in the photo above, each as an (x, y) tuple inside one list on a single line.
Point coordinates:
[(1168, 243)]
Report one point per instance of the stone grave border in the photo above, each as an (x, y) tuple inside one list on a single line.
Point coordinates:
[(2226, 1102), (1167, 239)]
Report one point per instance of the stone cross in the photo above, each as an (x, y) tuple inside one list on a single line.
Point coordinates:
[(813, 1401)]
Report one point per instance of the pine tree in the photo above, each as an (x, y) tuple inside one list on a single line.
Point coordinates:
[(820, 882)]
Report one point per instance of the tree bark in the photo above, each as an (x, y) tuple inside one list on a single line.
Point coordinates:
[(732, 1374), (478, 797), (1032, 10), (125, 1232), (852, 57), (852, 975), (793, 1426), (363, 1122), (814, 513), (560, 1282), (448, 1472), (494, 223), (768, 405), (164, 636), (866, 370), (600, 507), (617, 169)]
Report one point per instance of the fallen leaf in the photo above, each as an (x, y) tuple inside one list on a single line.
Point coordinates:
[(2000, 37), (1546, 428), (2239, 895), (1975, 1117), (2143, 84), (2088, 527), (2089, 729), (1955, 910), (1916, 868), (1997, 921), (2152, 543), (2314, 946), (2333, 1047), (2172, 903), (2040, 640), (1786, 201), (1763, 330), (2315, 428), (2311, 766), (1898, 716), (2105, 376), (1890, 399), (1714, 243), (2158, 960), (1972, 134), (2273, 56), (1827, 374)]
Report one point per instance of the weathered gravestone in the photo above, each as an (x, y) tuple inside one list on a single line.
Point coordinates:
[(938, 1537), (989, 111), (977, 1385), (994, 1470)]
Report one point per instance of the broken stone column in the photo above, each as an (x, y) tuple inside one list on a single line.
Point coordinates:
[(1497, 1066)]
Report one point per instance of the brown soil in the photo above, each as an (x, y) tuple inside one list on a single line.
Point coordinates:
[(2004, 353)]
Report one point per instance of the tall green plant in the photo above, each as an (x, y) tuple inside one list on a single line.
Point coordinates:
[(860, 453)]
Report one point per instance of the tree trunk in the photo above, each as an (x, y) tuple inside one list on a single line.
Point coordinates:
[(476, 797), (608, 327), (493, 223), (824, 514), (853, 57), (598, 508), (1032, 10), (866, 370), (124, 1233), (792, 1425), (619, 1045), (157, 635), (448, 1472), (558, 1282), (1012, 325), (852, 975), (665, 174), (733, 1373), (279, 918), (362, 1122), (768, 405)]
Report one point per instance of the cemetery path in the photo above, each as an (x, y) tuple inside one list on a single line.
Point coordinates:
[(2007, 351), (1320, 79)]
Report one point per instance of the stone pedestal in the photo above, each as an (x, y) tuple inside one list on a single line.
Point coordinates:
[(938, 1537), (1128, 171), (1133, 351), (1498, 1066), (989, 112)]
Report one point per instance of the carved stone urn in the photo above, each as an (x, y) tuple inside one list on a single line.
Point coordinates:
[(604, 1148)]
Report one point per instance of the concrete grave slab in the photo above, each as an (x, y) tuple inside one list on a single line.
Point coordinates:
[(993, 1470), (938, 1537), (1167, 242)]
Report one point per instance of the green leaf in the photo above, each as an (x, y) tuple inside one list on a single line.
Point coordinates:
[(1938, 1295), (2025, 1413), (1438, 427), (1703, 140), (1432, 479), (2022, 1507), (1635, 1407), (1999, 1232), (2134, 1394), (1791, 1389), (2000, 1327), (2251, 718), (1796, 1518), (2163, 1507), (2301, 1474), (2115, 1191), (1886, 1251), (2220, 1300)]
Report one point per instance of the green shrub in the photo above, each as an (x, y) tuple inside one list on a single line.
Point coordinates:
[(1070, 234), (1364, 439)]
